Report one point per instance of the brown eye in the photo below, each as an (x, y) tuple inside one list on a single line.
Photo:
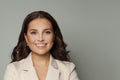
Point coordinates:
[(48, 32), (33, 32)]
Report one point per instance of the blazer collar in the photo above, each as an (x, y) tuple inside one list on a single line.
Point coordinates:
[(53, 69), (28, 64)]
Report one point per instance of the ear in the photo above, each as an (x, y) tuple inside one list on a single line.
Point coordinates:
[(25, 38)]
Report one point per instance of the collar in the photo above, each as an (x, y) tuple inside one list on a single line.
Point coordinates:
[(52, 74), (28, 63)]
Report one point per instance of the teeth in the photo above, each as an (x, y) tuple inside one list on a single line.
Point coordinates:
[(40, 45)]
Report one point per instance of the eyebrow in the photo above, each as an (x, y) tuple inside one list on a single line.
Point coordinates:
[(43, 29), (48, 29)]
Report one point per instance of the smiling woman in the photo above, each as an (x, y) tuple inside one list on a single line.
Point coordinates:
[(40, 36), (40, 53)]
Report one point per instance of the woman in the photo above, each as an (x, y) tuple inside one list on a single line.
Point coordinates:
[(40, 53)]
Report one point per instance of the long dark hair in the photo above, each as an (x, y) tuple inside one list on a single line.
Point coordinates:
[(58, 51)]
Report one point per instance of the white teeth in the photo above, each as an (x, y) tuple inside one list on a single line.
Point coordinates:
[(40, 45)]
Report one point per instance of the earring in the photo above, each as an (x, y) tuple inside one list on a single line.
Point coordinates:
[(17, 52)]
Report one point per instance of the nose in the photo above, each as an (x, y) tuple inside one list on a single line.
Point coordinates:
[(40, 37)]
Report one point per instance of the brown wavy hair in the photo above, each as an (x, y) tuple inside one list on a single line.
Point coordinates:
[(58, 51)]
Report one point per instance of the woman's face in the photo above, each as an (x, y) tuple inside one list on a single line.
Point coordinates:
[(40, 36)]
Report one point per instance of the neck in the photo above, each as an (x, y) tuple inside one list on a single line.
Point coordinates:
[(40, 60)]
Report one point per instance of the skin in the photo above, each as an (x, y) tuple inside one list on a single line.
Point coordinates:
[(40, 39)]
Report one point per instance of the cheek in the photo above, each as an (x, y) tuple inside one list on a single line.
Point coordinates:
[(31, 40), (49, 40)]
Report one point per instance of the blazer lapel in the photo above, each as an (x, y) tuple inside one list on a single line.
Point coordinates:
[(53, 71), (27, 70)]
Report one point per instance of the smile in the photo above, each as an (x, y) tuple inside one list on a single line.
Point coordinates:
[(41, 45)]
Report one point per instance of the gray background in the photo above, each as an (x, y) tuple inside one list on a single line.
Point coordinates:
[(91, 28)]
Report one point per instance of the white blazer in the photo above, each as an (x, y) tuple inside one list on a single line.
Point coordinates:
[(24, 70)]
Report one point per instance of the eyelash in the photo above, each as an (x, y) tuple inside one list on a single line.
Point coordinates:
[(47, 32), (33, 32)]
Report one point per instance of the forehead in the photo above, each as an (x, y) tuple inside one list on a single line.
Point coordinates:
[(40, 23)]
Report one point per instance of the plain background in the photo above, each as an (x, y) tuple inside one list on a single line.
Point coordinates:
[(91, 28)]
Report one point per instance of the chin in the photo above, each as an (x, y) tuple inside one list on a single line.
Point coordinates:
[(41, 53)]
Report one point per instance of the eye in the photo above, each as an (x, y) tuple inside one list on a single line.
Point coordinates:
[(33, 32), (47, 32)]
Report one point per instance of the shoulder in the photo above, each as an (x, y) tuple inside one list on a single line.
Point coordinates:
[(10, 72), (65, 65), (10, 67), (13, 68), (15, 65), (68, 68)]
